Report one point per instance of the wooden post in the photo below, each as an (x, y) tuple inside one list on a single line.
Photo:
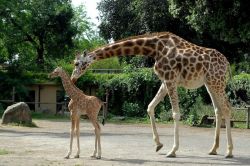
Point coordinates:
[(13, 94), (105, 108), (248, 115)]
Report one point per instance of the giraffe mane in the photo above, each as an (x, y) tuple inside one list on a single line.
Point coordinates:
[(154, 34)]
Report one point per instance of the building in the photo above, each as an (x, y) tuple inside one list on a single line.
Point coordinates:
[(50, 97)]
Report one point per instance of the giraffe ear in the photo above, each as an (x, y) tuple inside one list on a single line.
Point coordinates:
[(85, 53), (78, 54)]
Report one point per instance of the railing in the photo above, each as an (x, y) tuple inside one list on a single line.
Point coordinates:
[(109, 71), (64, 106), (247, 109)]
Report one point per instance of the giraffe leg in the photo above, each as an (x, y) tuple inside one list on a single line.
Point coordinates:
[(97, 139), (71, 136), (158, 97), (98, 133), (172, 91), (218, 116), (227, 115), (222, 106), (77, 136)]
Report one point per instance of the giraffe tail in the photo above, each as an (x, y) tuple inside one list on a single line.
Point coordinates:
[(103, 112), (103, 121), (231, 79)]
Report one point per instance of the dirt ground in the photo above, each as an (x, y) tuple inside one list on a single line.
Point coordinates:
[(121, 145)]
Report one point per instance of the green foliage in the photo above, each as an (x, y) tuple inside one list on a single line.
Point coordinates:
[(4, 152), (131, 109), (198, 110), (224, 26), (39, 115), (87, 37), (35, 34), (163, 113), (110, 63), (239, 86), (218, 24), (36, 30), (20, 81), (123, 18), (137, 86), (1, 110)]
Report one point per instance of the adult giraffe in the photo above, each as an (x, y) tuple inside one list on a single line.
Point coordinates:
[(177, 63)]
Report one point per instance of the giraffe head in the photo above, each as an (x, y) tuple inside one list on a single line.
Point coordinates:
[(81, 62), (56, 72)]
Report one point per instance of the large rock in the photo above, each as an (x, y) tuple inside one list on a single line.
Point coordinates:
[(17, 113)]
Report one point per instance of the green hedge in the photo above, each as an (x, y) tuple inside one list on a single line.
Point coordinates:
[(133, 90), (239, 89)]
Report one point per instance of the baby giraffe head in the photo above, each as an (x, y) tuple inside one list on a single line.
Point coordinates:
[(56, 73)]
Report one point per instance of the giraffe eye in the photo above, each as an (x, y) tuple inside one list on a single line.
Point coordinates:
[(77, 63)]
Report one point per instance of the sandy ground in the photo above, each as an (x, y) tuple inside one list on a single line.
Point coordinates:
[(121, 145)]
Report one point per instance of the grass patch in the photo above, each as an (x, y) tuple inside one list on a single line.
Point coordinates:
[(4, 152), (128, 120), (135, 120), (22, 124), (240, 125), (37, 115)]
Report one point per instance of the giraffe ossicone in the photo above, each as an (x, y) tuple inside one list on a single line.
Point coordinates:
[(177, 63)]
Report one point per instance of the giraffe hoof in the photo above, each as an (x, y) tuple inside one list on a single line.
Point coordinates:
[(158, 147), (66, 157), (98, 157), (93, 156), (76, 156), (212, 153), (229, 156), (171, 155)]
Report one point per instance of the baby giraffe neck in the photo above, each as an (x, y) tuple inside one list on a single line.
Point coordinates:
[(69, 87)]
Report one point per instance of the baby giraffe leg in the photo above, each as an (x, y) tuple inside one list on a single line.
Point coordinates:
[(71, 136), (98, 135), (97, 139), (95, 150), (77, 136)]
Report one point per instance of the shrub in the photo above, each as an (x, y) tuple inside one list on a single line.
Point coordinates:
[(198, 110), (110, 63), (1, 110), (238, 89), (131, 109)]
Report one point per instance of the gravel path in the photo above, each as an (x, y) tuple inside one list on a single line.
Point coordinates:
[(121, 145)]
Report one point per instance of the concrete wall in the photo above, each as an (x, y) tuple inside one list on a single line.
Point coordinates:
[(47, 97)]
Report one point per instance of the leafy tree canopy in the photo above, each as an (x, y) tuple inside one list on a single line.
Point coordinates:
[(34, 33), (220, 24)]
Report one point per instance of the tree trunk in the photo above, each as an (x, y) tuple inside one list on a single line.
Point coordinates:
[(40, 51), (40, 57)]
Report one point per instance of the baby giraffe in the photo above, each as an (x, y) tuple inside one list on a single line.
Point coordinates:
[(80, 104)]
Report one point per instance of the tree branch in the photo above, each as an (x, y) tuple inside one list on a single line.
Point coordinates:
[(29, 37)]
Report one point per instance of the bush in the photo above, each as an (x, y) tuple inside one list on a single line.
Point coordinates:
[(131, 109), (1, 110), (238, 90), (198, 110), (110, 63)]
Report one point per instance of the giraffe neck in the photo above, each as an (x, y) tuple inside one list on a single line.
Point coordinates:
[(71, 90), (141, 45)]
